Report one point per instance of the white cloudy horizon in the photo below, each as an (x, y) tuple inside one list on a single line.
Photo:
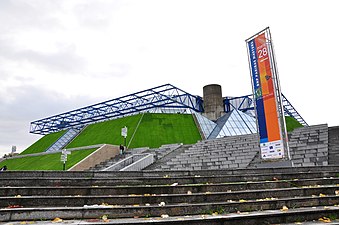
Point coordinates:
[(56, 56)]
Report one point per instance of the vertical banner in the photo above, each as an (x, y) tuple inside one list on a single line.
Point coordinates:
[(267, 97)]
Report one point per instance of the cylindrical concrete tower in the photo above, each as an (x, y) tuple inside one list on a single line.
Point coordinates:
[(213, 104)]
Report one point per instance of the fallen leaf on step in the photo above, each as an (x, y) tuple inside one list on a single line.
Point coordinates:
[(284, 208), (105, 218), (325, 219), (57, 220)]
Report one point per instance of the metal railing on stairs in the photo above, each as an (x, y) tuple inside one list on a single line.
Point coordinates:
[(135, 162)]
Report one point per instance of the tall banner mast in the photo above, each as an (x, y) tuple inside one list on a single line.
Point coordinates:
[(271, 125)]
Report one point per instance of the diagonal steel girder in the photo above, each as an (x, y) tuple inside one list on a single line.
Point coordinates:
[(162, 96)]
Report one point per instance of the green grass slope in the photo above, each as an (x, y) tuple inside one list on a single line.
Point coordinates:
[(107, 132), (45, 162), (158, 129), (153, 131), (43, 143), (291, 123)]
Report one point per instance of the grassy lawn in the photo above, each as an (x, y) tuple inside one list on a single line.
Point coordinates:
[(154, 130), (108, 132), (46, 162), (158, 129), (43, 143)]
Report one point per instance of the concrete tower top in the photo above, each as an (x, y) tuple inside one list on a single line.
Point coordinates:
[(213, 103)]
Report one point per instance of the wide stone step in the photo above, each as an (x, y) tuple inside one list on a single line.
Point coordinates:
[(166, 180), (304, 216), (153, 199), (162, 189), (92, 212), (108, 174)]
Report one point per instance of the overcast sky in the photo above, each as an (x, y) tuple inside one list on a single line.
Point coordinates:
[(57, 55)]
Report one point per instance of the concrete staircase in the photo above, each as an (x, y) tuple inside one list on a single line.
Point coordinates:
[(316, 145), (309, 145), (109, 162), (222, 153), (232, 196), (161, 163), (159, 154)]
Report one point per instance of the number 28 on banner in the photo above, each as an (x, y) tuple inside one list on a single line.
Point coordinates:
[(262, 52)]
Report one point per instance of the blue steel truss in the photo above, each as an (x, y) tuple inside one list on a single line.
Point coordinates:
[(245, 104), (165, 96)]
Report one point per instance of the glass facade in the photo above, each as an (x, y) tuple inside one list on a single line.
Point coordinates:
[(238, 123), (206, 125), (232, 123)]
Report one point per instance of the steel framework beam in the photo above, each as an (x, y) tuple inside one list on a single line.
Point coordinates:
[(164, 96), (245, 104)]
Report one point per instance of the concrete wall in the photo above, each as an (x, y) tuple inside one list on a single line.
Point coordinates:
[(102, 154), (213, 103)]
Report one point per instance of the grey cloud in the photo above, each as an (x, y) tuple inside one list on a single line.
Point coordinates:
[(24, 104), (30, 103), (64, 60)]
